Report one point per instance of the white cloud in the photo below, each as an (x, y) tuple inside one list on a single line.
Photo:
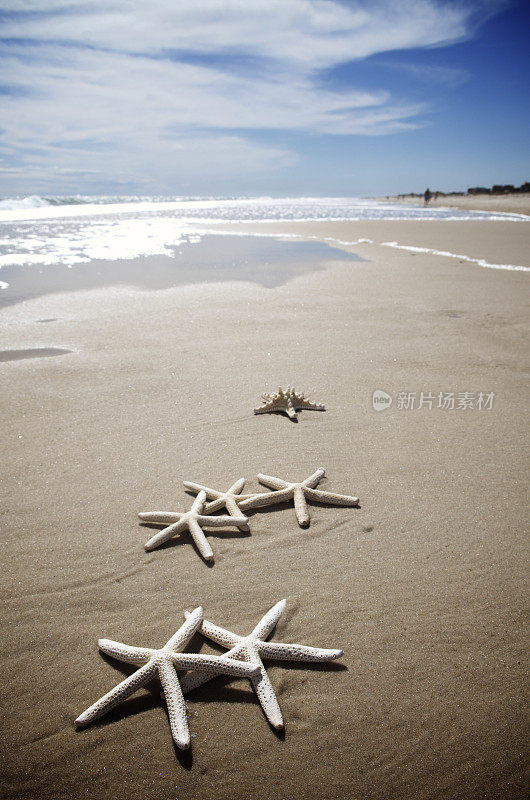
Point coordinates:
[(310, 32), (156, 90)]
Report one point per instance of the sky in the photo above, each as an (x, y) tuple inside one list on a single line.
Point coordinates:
[(262, 97)]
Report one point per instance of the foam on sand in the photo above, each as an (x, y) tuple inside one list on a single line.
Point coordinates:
[(480, 261)]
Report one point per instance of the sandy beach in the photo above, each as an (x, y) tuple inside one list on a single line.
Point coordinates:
[(422, 586), (510, 203)]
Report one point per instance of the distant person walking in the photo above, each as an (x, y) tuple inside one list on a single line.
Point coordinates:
[(427, 196)]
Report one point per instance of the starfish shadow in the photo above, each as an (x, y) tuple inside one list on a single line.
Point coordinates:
[(283, 414), (185, 757), (280, 413), (224, 693), (137, 705), (323, 666), (144, 702), (313, 504), (229, 694), (133, 705), (249, 512)]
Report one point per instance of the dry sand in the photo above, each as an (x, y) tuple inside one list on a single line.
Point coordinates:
[(423, 586), (514, 203)]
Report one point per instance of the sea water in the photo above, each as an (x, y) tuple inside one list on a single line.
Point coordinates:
[(64, 232)]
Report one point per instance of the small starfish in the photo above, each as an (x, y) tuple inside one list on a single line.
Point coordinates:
[(251, 648), (192, 520), (228, 499), (298, 492), (289, 401), (163, 662)]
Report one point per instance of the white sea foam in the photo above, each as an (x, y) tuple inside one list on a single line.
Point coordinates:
[(480, 261), (23, 203), (241, 209), (105, 239)]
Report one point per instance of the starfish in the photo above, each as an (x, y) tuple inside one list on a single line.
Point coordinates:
[(297, 492), (252, 648), (164, 662), (289, 401), (228, 499), (192, 520)]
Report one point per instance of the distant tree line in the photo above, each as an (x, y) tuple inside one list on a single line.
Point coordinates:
[(498, 188)]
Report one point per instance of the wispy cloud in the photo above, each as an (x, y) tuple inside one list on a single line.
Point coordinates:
[(162, 93)]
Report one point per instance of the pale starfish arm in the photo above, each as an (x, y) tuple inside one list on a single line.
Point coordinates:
[(200, 540), (268, 622), (163, 536), (215, 505), (219, 499), (213, 665), (272, 483), (195, 679), (232, 507), (314, 478), (319, 496), (300, 506), (265, 692), (197, 487), (237, 487), (290, 410), (271, 404), (161, 517), (180, 639), (120, 692), (176, 707), (124, 652), (234, 511), (266, 499), (217, 634), (301, 403), (198, 504), (220, 522), (296, 652)]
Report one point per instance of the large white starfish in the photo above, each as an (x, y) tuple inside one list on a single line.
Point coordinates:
[(251, 648), (190, 520), (297, 492), (228, 499), (163, 662)]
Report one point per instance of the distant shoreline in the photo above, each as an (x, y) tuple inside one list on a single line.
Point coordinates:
[(510, 203)]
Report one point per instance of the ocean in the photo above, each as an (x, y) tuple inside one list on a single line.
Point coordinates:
[(71, 231)]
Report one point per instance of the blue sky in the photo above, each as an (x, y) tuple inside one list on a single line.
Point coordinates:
[(280, 97)]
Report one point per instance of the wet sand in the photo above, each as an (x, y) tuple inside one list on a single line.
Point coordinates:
[(263, 260), (422, 586)]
